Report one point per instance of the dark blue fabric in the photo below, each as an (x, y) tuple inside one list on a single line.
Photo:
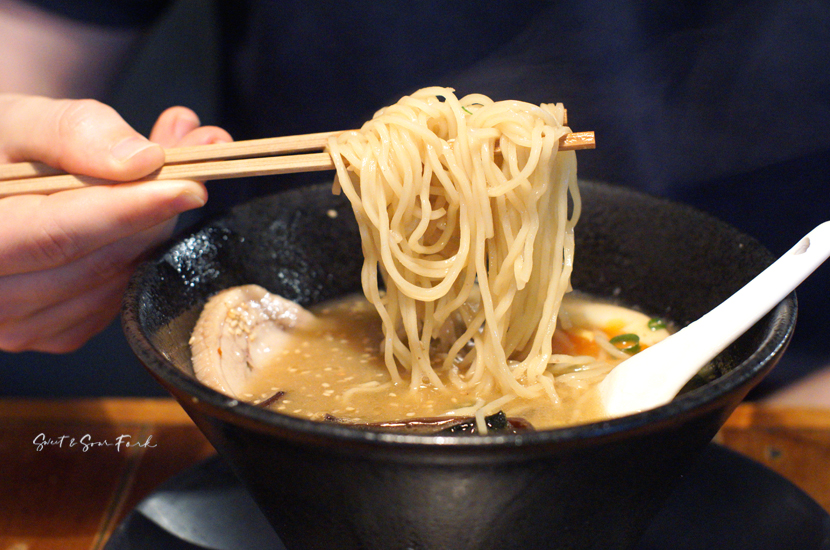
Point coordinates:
[(678, 93), (109, 13)]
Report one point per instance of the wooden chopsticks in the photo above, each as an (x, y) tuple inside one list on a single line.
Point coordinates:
[(260, 157)]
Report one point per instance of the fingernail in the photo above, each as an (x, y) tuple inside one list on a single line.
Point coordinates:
[(128, 148), (189, 201), (176, 196), (221, 139), (183, 125)]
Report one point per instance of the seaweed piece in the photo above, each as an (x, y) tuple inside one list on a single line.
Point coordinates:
[(497, 423), (268, 401)]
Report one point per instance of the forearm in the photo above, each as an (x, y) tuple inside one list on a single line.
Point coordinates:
[(45, 54)]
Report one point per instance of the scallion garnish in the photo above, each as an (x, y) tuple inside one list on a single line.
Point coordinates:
[(656, 323), (627, 343), (466, 110)]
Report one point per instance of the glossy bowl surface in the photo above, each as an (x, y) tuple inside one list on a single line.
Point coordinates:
[(328, 486)]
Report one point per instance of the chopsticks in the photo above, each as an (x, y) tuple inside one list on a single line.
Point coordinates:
[(260, 157)]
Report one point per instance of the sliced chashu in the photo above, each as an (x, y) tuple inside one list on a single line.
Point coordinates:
[(238, 333)]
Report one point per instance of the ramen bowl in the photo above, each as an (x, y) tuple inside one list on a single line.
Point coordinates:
[(325, 485)]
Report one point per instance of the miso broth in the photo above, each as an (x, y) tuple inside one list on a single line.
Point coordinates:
[(335, 370)]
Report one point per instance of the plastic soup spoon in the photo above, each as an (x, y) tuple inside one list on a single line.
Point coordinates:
[(654, 376)]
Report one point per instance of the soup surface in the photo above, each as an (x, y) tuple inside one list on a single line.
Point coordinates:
[(333, 368)]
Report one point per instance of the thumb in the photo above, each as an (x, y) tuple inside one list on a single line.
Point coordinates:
[(78, 136)]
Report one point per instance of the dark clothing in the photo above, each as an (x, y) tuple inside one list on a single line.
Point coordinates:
[(678, 93), (724, 105), (110, 13)]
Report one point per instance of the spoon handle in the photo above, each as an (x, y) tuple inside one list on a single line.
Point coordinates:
[(655, 375)]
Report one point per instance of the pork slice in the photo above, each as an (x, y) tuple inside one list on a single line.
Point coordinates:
[(238, 333)]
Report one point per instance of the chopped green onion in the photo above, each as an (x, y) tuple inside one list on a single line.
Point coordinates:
[(627, 343), (466, 110), (656, 323)]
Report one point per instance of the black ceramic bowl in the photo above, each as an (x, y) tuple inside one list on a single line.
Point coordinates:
[(328, 486)]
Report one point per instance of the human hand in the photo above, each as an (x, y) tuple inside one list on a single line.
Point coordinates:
[(65, 258)]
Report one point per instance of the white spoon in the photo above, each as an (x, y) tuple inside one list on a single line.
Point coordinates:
[(654, 376)]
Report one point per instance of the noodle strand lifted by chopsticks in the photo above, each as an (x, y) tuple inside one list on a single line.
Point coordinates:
[(472, 244)]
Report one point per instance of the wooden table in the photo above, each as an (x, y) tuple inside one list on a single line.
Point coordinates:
[(74, 489)]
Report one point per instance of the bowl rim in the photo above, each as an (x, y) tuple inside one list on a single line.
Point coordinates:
[(695, 402)]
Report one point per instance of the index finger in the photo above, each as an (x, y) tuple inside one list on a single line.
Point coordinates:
[(42, 232)]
